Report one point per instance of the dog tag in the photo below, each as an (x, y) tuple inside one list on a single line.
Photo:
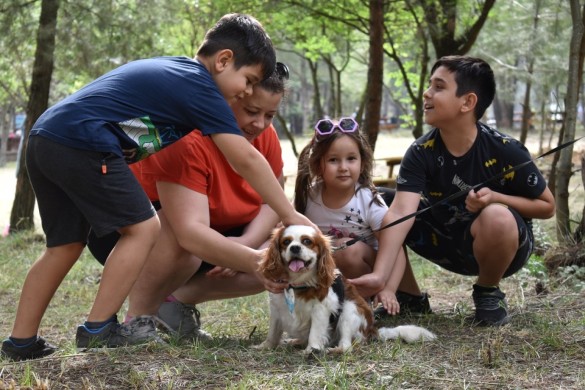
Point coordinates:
[(289, 297)]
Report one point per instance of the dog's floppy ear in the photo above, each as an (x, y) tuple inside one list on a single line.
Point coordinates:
[(325, 263), (271, 265)]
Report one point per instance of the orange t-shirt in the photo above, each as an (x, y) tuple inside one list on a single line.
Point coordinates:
[(195, 162)]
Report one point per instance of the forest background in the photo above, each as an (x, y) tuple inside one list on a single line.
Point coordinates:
[(368, 58), (353, 57)]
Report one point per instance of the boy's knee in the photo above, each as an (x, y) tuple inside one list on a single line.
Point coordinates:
[(495, 221), (148, 228)]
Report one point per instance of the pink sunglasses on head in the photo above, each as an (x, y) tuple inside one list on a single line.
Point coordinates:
[(327, 126)]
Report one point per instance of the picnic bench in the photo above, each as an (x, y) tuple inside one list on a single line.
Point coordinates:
[(390, 179)]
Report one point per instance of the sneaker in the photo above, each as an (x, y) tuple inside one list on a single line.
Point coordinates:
[(409, 304), (182, 320), (414, 304), (37, 349), (139, 330), (491, 308)]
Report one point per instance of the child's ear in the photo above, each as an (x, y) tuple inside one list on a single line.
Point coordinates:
[(222, 59), (469, 102)]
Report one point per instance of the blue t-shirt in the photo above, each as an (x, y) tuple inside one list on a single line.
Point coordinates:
[(139, 108)]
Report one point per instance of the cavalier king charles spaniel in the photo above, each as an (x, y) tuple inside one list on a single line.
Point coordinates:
[(319, 309)]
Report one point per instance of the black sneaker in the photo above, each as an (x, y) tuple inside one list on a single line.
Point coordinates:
[(37, 349), (409, 304), (491, 308), (139, 330)]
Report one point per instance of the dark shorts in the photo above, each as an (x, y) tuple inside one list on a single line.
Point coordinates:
[(453, 249), (73, 194)]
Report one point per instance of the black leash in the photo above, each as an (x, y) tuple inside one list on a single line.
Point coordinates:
[(460, 193)]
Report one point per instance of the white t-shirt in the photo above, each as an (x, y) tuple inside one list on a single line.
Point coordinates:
[(358, 218)]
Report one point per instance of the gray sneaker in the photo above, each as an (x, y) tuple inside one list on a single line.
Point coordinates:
[(142, 329), (139, 330), (182, 320)]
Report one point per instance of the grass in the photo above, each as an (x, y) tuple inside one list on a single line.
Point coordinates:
[(543, 347)]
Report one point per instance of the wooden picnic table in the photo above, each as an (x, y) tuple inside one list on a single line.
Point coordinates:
[(390, 180)]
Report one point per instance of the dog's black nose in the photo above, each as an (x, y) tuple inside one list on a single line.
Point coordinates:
[(296, 249)]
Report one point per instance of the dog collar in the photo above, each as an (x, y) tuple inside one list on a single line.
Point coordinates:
[(300, 287)]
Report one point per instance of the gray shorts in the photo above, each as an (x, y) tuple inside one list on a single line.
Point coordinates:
[(74, 192)]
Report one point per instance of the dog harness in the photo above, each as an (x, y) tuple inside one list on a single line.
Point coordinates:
[(339, 290)]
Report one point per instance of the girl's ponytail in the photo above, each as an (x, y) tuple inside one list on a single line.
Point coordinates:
[(303, 181)]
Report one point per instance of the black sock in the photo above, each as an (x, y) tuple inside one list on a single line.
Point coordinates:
[(23, 342), (100, 324)]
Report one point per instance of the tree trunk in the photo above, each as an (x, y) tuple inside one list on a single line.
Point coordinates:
[(442, 21), (373, 105), (580, 231), (317, 107), (331, 103), (526, 109), (565, 159), (22, 215), (5, 127)]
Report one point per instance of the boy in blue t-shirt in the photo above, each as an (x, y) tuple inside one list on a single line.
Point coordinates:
[(77, 157), (488, 233)]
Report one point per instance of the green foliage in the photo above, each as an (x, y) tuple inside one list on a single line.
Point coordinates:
[(535, 268), (94, 37), (18, 24), (510, 40)]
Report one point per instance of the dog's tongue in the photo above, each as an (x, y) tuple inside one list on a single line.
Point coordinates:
[(296, 265)]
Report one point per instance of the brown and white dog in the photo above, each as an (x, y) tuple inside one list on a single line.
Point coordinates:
[(319, 309)]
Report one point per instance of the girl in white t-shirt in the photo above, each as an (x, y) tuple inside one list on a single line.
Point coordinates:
[(334, 190)]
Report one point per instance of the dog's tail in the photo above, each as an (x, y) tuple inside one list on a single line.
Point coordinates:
[(408, 333)]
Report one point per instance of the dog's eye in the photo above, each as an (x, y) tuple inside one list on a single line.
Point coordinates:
[(307, 242), (286, 241)]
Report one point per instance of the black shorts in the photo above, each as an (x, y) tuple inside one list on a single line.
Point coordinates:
[(453, 249), (74, 194)]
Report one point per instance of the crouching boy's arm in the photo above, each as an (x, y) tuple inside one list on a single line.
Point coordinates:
[(390, 257), (542, 207)]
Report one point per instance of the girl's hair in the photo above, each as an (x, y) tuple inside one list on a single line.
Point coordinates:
[(309, 166)]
